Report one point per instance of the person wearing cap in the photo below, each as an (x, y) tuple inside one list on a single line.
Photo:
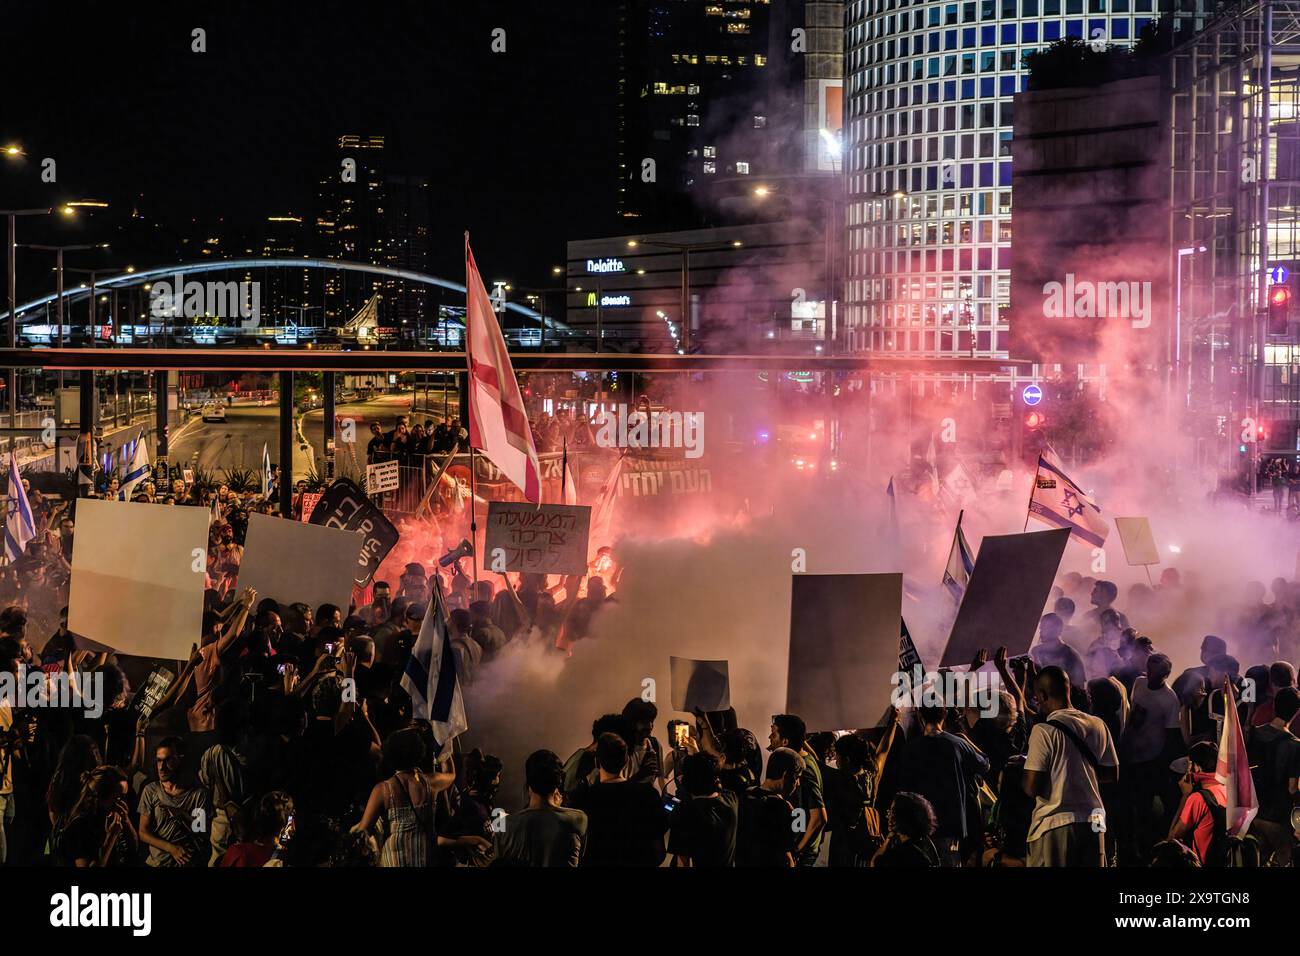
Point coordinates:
[(1199, 818)]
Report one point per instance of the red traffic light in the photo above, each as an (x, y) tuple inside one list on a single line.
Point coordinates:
[(1279, 295), (1035, 420)]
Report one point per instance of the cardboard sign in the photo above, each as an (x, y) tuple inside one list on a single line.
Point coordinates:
[(138, 573), (385, 476), (1139, 543), (844, 641), (548, 539), (908, 656), (309, 502), (702, 685), (291, 561), (1008, 587), (345, 506), (153, 690)]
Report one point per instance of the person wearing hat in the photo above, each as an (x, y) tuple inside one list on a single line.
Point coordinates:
[(1200, 817)]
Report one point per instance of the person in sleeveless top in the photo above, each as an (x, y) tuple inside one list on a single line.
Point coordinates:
[(406, 802)]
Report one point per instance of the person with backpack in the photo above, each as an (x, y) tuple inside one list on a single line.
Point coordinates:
[(1070, 755), (1201, 820), (1275, 765)]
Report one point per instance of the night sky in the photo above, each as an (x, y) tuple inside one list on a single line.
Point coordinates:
[(519, 146)]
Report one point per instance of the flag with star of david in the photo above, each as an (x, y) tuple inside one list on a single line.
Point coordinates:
[(1058, 501)]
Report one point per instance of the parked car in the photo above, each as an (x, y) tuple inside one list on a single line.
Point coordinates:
[(214, 412)]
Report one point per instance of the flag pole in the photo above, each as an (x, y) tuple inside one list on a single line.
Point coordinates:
[(1033, 485), (473, 511)]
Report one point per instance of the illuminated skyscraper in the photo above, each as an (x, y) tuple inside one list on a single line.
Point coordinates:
[(928, 157)]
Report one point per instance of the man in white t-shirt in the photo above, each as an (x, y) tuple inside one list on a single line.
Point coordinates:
[(1070, 755), (1152, 738)]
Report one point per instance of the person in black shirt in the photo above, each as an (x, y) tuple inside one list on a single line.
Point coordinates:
[(377, 444), (99, 831), (704, 823), (766, 835), (625, 820), (911, 824)]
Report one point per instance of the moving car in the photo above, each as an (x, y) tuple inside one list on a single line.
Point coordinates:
[(214, 412)]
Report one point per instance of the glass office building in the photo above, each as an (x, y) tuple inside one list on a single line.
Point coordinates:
[(928, 158)]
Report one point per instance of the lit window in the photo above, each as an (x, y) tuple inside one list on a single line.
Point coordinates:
[(710, 168), (710, 152), (760, 122), (742, 168), (693, 119)]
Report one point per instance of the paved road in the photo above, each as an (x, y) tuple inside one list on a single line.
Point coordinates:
[(237, 442)]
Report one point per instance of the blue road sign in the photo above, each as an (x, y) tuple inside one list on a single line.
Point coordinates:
[(1278, 274), (1032, 395)]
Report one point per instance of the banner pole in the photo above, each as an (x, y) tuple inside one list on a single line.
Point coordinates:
[(1033, 485), (473, 510), (428, 495)]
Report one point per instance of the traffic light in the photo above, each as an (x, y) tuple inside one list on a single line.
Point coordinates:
[(1279, 309), (1032, 437)]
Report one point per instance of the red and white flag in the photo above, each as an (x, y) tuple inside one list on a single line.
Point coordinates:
[(602, 512), (498, 423), (1233, 770)]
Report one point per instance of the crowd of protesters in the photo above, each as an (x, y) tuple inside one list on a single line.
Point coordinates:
[(287, 739)]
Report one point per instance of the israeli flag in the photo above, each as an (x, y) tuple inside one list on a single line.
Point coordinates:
[(431, 678), (136, 472), (20, 527)]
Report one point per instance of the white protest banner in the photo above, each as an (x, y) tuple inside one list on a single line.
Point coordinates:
[(138, 574), (548, 539), (844, 639), (1139, 543), (702, 685), (291, 561), (385, 476)]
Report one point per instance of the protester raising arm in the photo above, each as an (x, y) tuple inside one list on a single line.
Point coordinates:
[(242, 606), (1001, 662), (886, 744)]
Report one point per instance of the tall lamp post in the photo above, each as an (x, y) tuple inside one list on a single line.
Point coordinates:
[(11, 259), (88, 377), (685, 248)]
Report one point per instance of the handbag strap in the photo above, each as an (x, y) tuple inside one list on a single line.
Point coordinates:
[(1078, 742)]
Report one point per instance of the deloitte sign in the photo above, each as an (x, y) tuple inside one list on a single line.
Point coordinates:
[(602, 266)]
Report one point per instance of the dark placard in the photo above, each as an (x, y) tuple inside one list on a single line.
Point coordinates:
[(844, 639), (153, 690), (908, 656), (344, 505), (1008, 587), (547, 539)]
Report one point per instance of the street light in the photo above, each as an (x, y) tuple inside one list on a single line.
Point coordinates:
[(761, 192), (1178, 324), (59, 251), (94, 274), (685, 248), (12, 258)]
